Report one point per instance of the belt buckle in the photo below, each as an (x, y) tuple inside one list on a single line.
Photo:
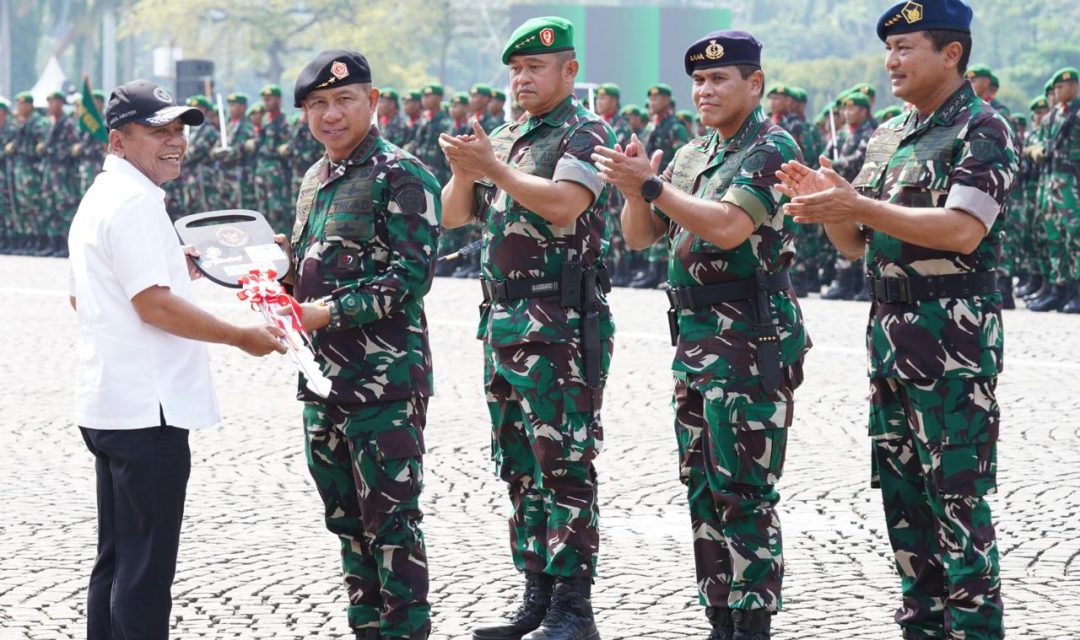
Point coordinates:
[(898, 290)]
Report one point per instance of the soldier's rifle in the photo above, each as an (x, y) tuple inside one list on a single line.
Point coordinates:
[(463, 252)]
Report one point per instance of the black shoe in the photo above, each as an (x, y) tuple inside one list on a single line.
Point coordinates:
[(840, 289), (1031, 284), (649, 278), (1054, 300), (529, 614), (570, 616), (367, 634), (444, 268), (751, 624), (59, 247), (722, 626), (1038, 292), (42, 246), (1072, 298), (1005, 284)]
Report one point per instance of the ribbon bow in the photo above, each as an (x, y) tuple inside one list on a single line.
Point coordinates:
[(262, 291)]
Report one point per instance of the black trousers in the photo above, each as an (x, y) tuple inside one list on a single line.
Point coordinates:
[(142, 479)]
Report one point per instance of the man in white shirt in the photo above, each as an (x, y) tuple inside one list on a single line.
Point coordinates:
[(143, 375)]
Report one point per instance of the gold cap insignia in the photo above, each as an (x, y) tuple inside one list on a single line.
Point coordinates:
[(547, 36), (339, 70), (849, 103), (714, 51), (913, 12), (1066, 76)]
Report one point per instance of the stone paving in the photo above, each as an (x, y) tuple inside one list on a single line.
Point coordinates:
[(256, 562)]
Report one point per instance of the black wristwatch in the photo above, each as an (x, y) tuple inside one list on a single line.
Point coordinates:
[(652, 188)]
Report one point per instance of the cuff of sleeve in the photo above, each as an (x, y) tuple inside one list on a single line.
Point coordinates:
[(748, 202), (144, 281), (571, 169), (975, 202)]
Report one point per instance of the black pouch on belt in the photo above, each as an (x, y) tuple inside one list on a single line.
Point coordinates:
[(765, 335)]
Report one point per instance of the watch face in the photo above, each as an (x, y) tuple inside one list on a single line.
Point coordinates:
[(650, 189)]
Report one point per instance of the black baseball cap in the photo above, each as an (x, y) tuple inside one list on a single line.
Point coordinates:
[(147, 103)]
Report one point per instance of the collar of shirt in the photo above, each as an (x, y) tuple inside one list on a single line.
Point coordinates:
[(333, 170), (943, 115), (557, 116), (116, 164)]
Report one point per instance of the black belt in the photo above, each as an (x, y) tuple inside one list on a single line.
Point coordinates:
[(915, 288), (503, 291), (710, 294)]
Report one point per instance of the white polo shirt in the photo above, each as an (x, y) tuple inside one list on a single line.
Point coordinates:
[(122, 242)]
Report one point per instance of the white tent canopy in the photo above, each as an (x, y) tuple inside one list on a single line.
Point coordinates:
[(52, 79)]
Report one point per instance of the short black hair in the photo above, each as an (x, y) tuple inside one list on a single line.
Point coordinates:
[(941, 38), (746, 70)]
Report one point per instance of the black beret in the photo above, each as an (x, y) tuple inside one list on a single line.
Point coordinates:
[(723, 49), (331, 68), (911, 16)]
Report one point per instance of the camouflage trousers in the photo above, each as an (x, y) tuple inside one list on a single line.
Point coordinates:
[(616, 250), (367, 463), (935, 458), (272, 196), (546, 433), (732, 439)]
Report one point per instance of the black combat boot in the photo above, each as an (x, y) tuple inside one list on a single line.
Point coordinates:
[(1054, 299), (649, 278), (840, 289), (722, 626), (1005, 284), (751, 624), (59, 247), (858, 283), (529, 614), (367, 634), (1031, 284), (570, 616), (42, 246), (1072, 303), (1038, 292)]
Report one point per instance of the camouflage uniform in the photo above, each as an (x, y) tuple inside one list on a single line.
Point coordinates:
[(201, 178), (31, 209), (546, 428), (1063, 193), (426, 143), (933, 369), (366, 229), (811, 238), (62, 174), (238, 188), (848, 163), (395, 129), (1035, 261), (304, 152), (665, 134), (7, 195), (487, 121), (731, 431), (90, 158), (272, 180), (616, 253)]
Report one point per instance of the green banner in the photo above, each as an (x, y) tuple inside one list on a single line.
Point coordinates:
[(91, 121)]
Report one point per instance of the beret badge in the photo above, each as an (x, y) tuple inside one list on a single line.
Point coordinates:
[(714, 51), (339, 70)]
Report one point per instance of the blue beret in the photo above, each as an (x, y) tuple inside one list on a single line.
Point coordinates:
[(911, 16), (331, 69), (723, 49)]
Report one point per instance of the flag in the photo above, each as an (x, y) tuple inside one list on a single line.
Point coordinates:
[(91, 121)]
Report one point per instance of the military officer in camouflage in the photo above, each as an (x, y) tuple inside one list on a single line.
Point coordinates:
[(90, 153), (434, 122), (607, 107), (238, 188), (61, 171), (303, 149), (926, 211), (412, 105), (25, 154), (636, 118), (7, 196), (480, 96), (460, 120), (735, 323), (363, 244), (272, 179), (391, 123), (545, 323), (201, 179), (497, 106)]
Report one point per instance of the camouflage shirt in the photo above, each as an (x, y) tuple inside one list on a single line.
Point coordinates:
[(426, 143), (394, 129), (797, 126), (274, 133), (852, 152), (961, 157), (28, 135), (621, 126), (1063, 148), (487, 121), (240, 131), (521, 244), (369, 226), (666, 134), (61, 165), (718, 340), (304, 150)]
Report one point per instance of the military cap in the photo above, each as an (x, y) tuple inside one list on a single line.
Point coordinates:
[(415, 94), (910, 16), (1020, 120), (436, 89), (799, 94), (258, 107), (5, 105), (270, 90), (723, 49), (855, 99), (994, 82), (823, 116), (888, 113), (98, 94), (609, 89), (24, 96), (633, 110), (659, 90), (240, 98), (56, 95), (200, 101), (460, 98), (979, 71), (499, 95), (331, 69), (481, 89), (1048, 87), (540, 35), (782, 89), (1068, 74), (685, 116), (1038, 103), (864, 88)]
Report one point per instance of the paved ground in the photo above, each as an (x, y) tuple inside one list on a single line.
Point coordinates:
[(255, 561)]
